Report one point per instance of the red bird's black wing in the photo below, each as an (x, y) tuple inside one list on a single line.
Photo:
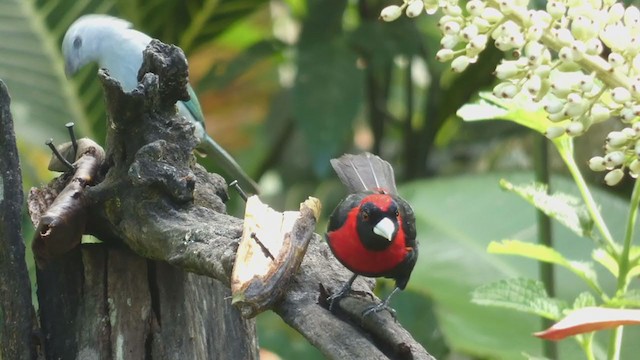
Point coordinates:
[(402, 272), (365, 172)]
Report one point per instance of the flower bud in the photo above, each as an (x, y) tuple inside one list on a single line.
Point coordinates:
[(450, 28), (452, 10), (615, 59), (632, 16), (505, 90), (620, 95), (575, 128), (415, 8), (564, 35), (596, 163), (444, 55), (559, 116), (629, 132), (554, 131), (600, 113), (534, 33), (449, 41), (469, 32), (581, 28), (534, 84), (391, 12), (482, 24), (543, 71), (613, 177), (566, 54), (634, 168), (460, 63), (475, 7), (613, 159), (553, 105), (506, 69), (615, 14), (617, 139), (492, 15), (594, 46), (556, 9), (479, 42), (627, 114)]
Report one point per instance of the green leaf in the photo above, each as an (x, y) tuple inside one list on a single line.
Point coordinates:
[(566, 209), (519, 110), (222, 74), (605, 259), (524, 295), (327, 92), (482, 110), (630, 299), (546, 254), (585, 299), (457, 218)]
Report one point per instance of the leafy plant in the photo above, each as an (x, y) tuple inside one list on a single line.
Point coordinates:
[(556, 81)]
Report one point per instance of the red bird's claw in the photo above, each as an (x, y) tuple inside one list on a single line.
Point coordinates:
[(335, 297), (376, 308)]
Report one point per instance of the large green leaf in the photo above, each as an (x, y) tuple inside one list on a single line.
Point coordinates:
[(520, 294), (328, 87), (568, 210), (31, 65), (582, 269), (456, 220)]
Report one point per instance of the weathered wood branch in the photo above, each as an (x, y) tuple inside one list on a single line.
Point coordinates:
[(160, 203), (17, 320)]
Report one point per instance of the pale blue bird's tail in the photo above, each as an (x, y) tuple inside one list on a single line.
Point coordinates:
[(222, 158), (192, 110)]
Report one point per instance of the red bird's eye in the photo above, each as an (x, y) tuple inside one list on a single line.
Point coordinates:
[(365, 216), (397, 213)]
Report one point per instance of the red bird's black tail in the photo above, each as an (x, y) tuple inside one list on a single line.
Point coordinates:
[(365, 172)]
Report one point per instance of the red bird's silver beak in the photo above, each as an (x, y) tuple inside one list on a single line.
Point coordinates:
[(385, 228)]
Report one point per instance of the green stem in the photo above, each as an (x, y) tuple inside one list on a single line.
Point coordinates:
[(587, 346), (615, 343), (197, 24), (550, 348), (628, 238), (564, 145)]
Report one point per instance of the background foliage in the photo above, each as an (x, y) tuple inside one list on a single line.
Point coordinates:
[(288, 84)]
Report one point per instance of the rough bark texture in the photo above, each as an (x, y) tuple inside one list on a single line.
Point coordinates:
[(16, 312), (104, 301), (166, 208), (99, 302)]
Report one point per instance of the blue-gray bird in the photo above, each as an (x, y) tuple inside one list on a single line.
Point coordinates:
[(116, 46)]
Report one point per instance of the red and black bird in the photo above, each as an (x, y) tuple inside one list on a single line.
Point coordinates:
[(372, 232)]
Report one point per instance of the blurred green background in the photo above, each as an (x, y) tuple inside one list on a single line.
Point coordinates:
[(286, 85)]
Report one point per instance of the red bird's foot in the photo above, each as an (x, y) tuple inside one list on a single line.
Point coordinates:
[(376, 308), (383, 305), (342, 292)]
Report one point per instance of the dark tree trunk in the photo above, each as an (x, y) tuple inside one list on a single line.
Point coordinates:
[(101, 303), (16, 313), (158, 288)]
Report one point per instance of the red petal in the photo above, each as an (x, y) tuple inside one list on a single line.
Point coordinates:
[(590, 319)]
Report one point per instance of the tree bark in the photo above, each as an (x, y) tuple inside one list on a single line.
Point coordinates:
[(17, 320), (155, 200)]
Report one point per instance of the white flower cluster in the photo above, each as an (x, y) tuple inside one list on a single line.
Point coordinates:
[(557, 60)]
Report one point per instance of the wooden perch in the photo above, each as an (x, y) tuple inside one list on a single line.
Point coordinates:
[(60, 221), (161, 204), (270, 252)]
